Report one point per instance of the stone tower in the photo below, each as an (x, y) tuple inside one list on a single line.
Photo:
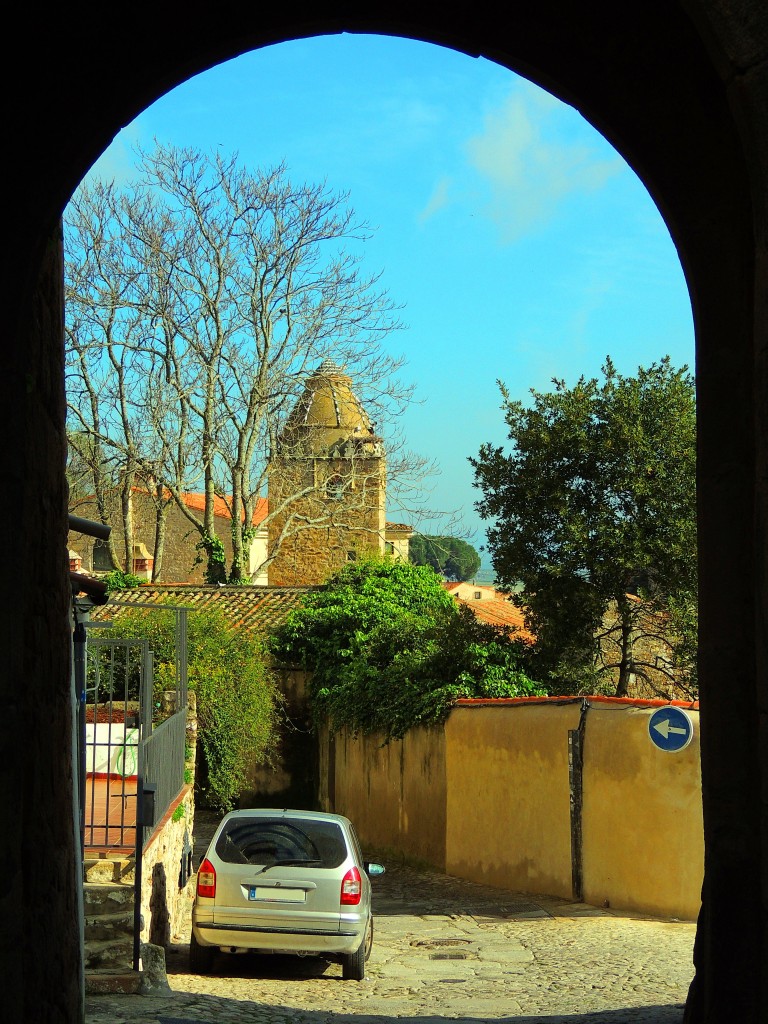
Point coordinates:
[(327, 484)]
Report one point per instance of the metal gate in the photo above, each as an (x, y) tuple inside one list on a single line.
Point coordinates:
[(116, 717)]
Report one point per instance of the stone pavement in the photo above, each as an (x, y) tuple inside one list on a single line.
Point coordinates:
[(444, 948)]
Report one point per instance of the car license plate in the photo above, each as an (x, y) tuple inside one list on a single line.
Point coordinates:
[(275, 895)]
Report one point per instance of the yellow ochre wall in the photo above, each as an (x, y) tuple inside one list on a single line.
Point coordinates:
[(393, 792), (487, 797), (507, 768), (642, 820)]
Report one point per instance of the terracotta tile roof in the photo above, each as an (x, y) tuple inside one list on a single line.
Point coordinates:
[(498, 612), (249, 607), (196, 501), (399, 527)]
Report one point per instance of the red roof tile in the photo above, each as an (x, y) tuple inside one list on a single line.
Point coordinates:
[(618, 702), (196, 501), (498, 612)]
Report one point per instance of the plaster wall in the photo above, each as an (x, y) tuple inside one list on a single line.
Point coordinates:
[(487, 797), (395, 793), (508, 796), (643, 840)]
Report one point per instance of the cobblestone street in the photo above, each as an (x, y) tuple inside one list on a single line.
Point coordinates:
[(444, 948)]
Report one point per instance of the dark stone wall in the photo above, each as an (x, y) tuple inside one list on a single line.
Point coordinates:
[(680, 88), (40, 950)]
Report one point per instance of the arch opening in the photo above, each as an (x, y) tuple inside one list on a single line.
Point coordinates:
[(678, 128)]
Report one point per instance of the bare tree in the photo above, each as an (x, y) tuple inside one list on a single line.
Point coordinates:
[(198, 300)]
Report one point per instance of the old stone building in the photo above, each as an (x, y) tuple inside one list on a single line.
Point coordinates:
[(176, 559), (327, 484), (326, 504)]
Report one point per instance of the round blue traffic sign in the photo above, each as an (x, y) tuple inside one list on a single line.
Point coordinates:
[(670, 728)]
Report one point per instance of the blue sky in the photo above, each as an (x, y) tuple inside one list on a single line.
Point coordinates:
[(519, 242)]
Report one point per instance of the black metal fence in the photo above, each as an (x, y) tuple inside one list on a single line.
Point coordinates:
[(163, 756), (118, 678)]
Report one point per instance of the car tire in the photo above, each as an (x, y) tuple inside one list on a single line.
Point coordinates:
[(200, 957), (353, 964)]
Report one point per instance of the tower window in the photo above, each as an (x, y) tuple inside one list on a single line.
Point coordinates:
[(335, 488)]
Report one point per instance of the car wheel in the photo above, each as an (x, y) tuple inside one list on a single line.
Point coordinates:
[(353, 964), (200, 957)]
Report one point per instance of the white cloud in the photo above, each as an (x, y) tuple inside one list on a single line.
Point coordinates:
[(438, 200), (529, 169)]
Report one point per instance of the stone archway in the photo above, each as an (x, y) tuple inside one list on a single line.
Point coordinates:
[(680, 87)]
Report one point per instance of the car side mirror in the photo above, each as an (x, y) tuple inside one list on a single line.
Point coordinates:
[(374, 870)]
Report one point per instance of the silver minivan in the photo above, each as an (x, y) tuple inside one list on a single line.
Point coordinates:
[(284, 881)]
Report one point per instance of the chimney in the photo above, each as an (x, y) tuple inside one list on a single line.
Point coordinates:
[(143, 562)]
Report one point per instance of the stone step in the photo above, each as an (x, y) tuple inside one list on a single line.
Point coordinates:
[(106, 982), (115, 955), (107, 869), (109, 926), (107, 898)]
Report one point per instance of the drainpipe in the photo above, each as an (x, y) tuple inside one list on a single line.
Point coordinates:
[(576, 784), (79, 641)]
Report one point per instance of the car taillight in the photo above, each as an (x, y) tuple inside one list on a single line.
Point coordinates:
[(206, 879), (351, 888)]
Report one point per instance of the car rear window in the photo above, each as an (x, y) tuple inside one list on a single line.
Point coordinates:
[(269, 840)]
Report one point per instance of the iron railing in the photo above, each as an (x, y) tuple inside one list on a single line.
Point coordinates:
[(163, 757)]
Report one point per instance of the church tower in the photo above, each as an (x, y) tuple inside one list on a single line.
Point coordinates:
[(327, 484)]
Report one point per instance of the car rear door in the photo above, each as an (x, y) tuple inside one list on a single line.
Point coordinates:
[(277, 875)]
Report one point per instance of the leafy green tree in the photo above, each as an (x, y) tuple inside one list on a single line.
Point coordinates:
[(389, 649), (237, 698), (594, 507), (452, 557)]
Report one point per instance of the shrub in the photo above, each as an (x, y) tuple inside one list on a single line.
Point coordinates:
[(237, 698), (389, 648)]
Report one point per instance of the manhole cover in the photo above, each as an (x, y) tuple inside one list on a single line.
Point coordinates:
[(431, 943)]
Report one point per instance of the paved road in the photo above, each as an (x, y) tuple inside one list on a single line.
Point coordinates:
[(445, 948)]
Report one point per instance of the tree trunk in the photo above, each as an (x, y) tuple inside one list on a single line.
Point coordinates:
[(627, 637)]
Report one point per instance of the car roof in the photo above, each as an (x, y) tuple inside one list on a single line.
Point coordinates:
[(286, 812)]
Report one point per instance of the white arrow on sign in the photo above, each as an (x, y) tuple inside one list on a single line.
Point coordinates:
[(665, 728)]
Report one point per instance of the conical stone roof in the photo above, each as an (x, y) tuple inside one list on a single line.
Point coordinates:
[(327, 413)]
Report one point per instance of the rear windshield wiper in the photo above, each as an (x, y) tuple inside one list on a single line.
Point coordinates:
[(287, 861)]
